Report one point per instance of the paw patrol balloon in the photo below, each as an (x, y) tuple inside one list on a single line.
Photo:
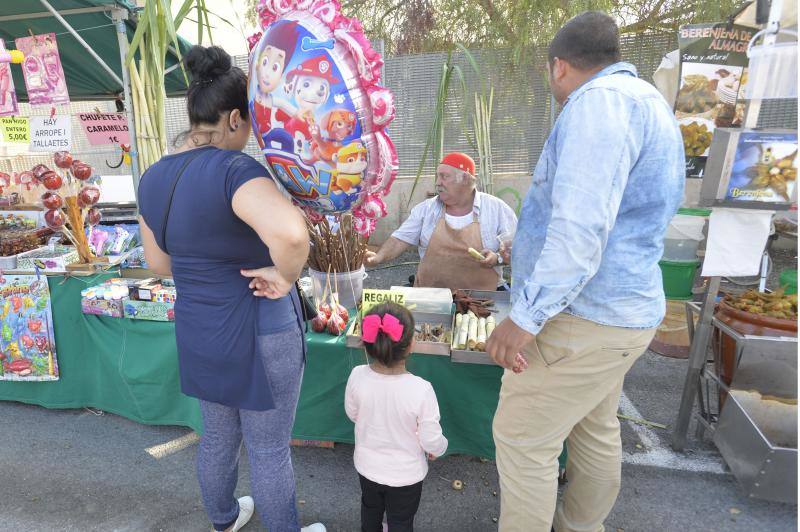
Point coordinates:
[(318, 110)]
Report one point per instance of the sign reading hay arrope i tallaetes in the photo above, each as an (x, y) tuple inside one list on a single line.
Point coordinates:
[(373, 297), (51, 133), (27, 344), (713, 74)]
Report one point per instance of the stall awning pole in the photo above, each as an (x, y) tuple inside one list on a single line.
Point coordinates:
[(83, 43), (119, 16)]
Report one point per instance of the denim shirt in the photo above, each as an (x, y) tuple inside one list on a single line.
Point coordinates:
[(591, 230)]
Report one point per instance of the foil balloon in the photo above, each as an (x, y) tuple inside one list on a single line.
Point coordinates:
[(318, 110), (372, 207)]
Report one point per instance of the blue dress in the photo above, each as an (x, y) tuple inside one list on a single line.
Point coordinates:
[(217, 318)]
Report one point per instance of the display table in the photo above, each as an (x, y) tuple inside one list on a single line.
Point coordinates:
[(129, 368)]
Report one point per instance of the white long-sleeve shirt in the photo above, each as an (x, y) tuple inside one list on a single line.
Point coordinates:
[(397, 422)]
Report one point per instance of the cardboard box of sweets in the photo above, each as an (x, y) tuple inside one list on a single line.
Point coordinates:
[(105, 299), (102, 307), (149, 310)]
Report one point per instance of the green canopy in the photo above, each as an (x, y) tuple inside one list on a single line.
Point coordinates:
[(93, 20)]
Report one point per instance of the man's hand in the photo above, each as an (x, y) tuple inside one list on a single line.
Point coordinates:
[(505, 252), (506, 342), (268, 282), (371, 258), (489, 260)]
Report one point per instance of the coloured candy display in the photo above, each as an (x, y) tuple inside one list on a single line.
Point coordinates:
[(27, 345)]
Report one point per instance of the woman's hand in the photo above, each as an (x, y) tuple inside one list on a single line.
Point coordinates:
[(268, 282)]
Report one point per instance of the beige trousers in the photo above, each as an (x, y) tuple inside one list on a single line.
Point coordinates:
[(570, 391)]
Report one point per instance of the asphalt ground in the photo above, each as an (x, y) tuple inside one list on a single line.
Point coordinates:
[(82, 470)]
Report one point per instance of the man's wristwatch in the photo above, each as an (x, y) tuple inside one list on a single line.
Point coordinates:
[(499, 259)]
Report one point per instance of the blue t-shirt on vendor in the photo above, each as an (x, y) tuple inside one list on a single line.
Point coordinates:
[(217, 318)]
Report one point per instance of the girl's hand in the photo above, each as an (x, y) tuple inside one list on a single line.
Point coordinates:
[(268, 282), (431, 457)]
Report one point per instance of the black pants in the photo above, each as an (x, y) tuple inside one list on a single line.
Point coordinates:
[(400, 505)]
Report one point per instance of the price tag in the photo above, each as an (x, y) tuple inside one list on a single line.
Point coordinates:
[(15, 129), (104, 129)]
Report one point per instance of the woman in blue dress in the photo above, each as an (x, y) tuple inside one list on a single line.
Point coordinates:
[(212, 219)]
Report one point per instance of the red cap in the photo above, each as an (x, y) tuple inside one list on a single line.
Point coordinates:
[(462, 161), (319, 67)]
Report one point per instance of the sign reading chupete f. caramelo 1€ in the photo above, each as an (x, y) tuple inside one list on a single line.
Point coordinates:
[(103, 129)]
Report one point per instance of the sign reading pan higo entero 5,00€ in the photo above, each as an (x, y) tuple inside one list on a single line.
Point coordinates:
[(713, 75), (27, 343)]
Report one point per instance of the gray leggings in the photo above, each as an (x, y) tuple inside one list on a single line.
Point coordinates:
[(266, 438)]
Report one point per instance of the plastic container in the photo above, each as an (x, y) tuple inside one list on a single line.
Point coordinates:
[(678, 277), (351, 286), (672, 335), (773, 72), (788, 280), (8, 263), (683, 237), (427, 300)]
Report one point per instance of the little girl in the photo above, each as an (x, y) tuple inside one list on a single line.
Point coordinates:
[(397, 422)]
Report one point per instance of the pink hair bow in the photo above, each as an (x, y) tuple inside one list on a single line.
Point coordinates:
[(373, 324)]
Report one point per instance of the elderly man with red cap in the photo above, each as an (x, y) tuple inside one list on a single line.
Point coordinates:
[(446, 226)]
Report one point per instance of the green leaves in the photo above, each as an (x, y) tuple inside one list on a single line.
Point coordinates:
[(434, 144), (157, 35), (481, 138)]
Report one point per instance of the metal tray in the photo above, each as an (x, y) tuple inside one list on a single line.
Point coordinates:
[(433, 348), (502, 307), (765, 469), (426, 348), (351, 339)]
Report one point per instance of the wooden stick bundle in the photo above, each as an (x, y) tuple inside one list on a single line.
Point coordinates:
[(338, 252)]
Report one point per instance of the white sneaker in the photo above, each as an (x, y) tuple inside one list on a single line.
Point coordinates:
[(246, 508), (316, 527)]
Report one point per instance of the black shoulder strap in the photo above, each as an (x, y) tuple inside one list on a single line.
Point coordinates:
[(171, 196)]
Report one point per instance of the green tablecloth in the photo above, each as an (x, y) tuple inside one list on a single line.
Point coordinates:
[(129, 367)]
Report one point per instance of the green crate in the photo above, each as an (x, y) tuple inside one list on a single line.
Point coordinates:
[(789, 281), (678, 277)]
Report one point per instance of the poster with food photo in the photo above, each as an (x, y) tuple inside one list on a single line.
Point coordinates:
[(713, 67), (764, 168)]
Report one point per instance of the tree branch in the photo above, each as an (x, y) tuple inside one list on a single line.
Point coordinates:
[(498, 20)]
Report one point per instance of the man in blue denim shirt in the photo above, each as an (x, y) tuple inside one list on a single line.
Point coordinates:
[(586, 292)]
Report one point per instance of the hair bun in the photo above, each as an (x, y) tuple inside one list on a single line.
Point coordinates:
[(207, 63)]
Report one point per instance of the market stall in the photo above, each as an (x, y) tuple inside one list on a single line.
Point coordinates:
[(129, 367), (742, 371), (91, 40), (108, 340)]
